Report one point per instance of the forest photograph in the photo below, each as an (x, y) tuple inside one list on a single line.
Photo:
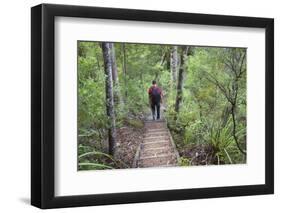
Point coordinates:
[(160, 105)]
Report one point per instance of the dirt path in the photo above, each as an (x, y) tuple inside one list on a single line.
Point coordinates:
[(157, 148)]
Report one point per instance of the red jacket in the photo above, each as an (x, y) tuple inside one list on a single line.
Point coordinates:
[(158, 88)]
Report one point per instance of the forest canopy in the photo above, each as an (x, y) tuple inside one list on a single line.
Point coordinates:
[(203, 105)]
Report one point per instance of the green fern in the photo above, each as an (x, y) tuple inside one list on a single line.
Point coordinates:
[(95, 165)]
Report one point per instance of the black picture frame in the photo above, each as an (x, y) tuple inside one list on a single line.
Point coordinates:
[(43, 105)]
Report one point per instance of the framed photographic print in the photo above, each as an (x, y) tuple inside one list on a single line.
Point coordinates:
[(140, 106)]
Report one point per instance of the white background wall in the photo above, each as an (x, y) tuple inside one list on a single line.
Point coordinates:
[(15, 105)]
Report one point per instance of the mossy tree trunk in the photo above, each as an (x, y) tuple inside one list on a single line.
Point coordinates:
[(174, 64), (124, 66), (185, 51), (118, 100), (109, 97)]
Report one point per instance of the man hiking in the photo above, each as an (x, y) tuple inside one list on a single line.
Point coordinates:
[(155, 98)]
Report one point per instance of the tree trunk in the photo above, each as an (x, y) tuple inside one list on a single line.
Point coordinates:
[(124, 65), (109, 98), (174, 63), (116, 89), (184, 52), (113, 62), (234, 129)]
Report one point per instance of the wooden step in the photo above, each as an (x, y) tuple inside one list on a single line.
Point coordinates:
[(163, 137), (153, 149), (157, 130), (156, 151), (159, 166), (150, 145), (155, 125), (155, 121), (156, 156), (159, 161), (156, 141), (156, 135)]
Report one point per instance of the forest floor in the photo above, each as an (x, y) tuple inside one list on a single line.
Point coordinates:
[(199, 154), (193, 154), (128, 139)]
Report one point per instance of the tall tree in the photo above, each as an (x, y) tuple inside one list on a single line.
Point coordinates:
[(185, 51), (109, 97), (174, 63), (124, 66), (116, 90), (113, 62)]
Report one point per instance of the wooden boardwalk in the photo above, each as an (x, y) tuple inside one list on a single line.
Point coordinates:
[(157, 148)]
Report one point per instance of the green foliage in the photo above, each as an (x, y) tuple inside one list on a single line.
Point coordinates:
[(203, 119), (90, 158), (135, 123), (204, 116), (95, 153), (89, 166), (184, 161)]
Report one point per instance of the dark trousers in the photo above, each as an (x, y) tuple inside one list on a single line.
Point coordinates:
[(155, 107)]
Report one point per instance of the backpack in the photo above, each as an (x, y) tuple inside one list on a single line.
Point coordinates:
[(155, 94)]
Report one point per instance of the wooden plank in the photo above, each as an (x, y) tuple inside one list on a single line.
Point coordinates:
[(157, 156)]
